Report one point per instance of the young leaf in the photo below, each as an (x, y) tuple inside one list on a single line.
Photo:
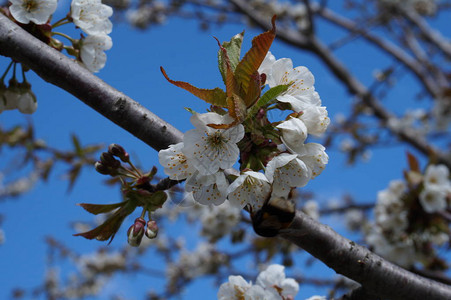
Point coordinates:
[(214, 96), (254, 57), (237, 110), (267, 97), (96, 209), (108, 229), (233, 49)]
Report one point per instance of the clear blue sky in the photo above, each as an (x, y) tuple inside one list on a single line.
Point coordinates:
[(133, 68)]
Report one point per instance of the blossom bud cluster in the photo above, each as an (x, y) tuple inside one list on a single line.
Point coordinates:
[(271, 284), (286, 160), (140, 228), (394, 235)]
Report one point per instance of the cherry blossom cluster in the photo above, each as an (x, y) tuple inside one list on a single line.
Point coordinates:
[(273, 155), (407, 221), (271, 284)]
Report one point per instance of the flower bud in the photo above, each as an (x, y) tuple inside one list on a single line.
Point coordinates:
[(136, 232), (152, 229), (109, 161), (119, 151), (101, 168)]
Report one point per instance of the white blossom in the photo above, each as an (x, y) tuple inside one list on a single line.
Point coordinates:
[(294, 133), (36, 11), (273, 279), (286, 171), (208, 189), (212, 149), (315, 119), (301, 92), (437, 175), (27, 103), (316, 297), (176, 164), (234, 289), (314, 156), (92, 51), (433, 198), (91, 16), (251, 188)]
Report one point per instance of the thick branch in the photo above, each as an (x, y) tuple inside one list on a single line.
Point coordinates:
[(375, 274), (344, 256), (58, 69)]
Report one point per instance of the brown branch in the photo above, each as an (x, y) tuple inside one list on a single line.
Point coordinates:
[(339, 253), (376, 275)]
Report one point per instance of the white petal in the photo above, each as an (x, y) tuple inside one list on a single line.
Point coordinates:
[(294, 133)]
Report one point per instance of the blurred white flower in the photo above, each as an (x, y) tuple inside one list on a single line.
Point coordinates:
[(91, 16), (36, 11), (316, 297), (175, 163), (437, 175), (92, 51), (311, 209), (234, 289), (251, 188), (27, 103), (273, 280), (433, 198), (212, 149)]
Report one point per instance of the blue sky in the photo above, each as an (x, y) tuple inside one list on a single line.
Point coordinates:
[(133, 67)]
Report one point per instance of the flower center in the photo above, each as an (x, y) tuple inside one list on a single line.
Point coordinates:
[(30, 5), (216, 140)]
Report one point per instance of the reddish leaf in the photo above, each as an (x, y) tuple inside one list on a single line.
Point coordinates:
[(214, 96), (414, 165), (253, 58)]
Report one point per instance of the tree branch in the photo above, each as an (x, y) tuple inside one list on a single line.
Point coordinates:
[(339, 253), (57, 69), (376, 275)]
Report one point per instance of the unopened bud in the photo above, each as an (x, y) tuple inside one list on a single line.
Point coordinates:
[(119, 151), (101, 168), (109, 161), (152, 229), (136, 232)]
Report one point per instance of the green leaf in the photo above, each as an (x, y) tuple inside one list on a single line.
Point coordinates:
[(214, 96), (77, 146), (253, 58), (73, 173), (267, 98), (96, 209), (190, 110), (233, 49), (108, 229)]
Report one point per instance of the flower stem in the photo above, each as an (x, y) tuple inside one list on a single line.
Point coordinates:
[(64, 35), (7, 70), (63, 21)]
